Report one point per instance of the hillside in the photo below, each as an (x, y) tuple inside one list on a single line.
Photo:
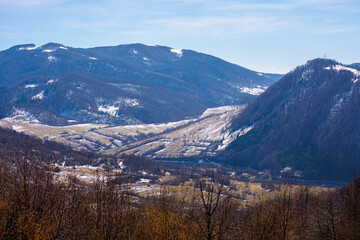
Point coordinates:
[(189, 139), (308, 120), (15, 145)]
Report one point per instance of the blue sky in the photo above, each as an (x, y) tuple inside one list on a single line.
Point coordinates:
[(269, 36)]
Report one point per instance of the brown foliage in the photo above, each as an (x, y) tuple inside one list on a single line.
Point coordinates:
[(35, 206)]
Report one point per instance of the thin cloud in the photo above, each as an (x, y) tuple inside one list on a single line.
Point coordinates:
[(330, 5), (184, 1), (240, 6), (219, 25), (341, 30), (92, 26), (29, 2), (8, 34)]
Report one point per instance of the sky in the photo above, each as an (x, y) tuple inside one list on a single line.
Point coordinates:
[(268, 36)]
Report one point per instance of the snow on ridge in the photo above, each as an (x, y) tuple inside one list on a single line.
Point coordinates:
[(253, 91), (178, 52), (31, 86), (343, 68), (48, 50), (109, 109), (39, 96), (53, 49), (29, 48), (260, 74)]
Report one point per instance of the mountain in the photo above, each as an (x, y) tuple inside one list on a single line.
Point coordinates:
[(125, 84), (307, 121)]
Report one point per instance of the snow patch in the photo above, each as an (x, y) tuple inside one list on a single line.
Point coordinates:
[(111, 110), (230, 137), (178, 52), (39, 96), (52, 58), (343, 68), (306, 75), (146, 59), (135, 51), (287, 169), (253, 91), (242, 131), (260, 74), (139, 189), (53, 49), (144, 180), (218, 110), (121, 165), (19, 115), (92, 58), (31, 86), (50, 81), (69, 94), (150, 45), (29, 48), (128, 102), (131, 102), (17, 128)]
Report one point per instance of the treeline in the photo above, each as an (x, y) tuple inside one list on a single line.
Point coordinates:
[(11, 142), (51, 152), (34, 205)]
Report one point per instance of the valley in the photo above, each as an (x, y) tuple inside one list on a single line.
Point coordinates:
[(161, 103), (200, 137), (251, 163), (179, 120)]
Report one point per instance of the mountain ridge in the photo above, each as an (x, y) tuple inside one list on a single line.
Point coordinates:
[(147, 84)]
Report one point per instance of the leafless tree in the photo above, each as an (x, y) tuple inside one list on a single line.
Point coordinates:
[(212, 207)]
